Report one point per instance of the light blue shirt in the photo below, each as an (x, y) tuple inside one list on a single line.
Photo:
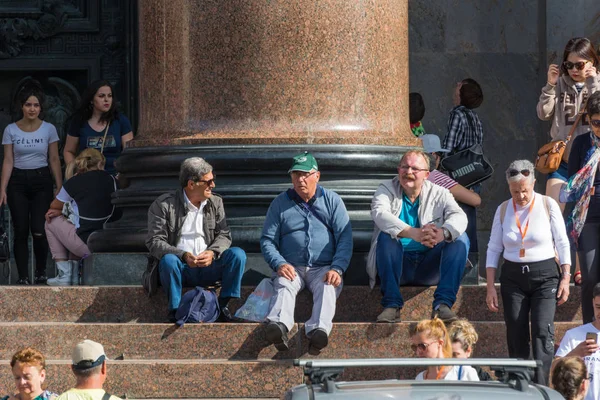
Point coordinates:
[(295, 236), (410, 215)]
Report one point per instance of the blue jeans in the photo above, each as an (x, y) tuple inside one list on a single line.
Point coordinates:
[(442, 265), (175, 274)]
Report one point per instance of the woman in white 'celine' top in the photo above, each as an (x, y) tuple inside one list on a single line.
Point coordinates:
[(529, 232)]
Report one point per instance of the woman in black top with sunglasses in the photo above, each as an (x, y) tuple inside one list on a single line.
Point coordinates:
[(583, 189), (568, 87)]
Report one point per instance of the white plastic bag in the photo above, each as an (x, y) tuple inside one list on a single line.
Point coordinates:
[(256, 308)]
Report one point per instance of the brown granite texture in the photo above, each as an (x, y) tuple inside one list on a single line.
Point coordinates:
[(273, 71), (168, 379), (232, 341), (130, 304)]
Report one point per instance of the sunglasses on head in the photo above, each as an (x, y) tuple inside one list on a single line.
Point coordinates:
[(514, 172), (579, 65), (595, 123)]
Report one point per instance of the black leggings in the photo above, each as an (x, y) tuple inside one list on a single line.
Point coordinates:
[(29, 194)]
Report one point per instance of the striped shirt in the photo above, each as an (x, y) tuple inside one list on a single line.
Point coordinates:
[(441, 179), (464, 129)]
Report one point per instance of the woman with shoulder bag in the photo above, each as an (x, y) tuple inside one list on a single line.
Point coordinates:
[(569, 85), (526, 230), (30, 153), (98, 124)]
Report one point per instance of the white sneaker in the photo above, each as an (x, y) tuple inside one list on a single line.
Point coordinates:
[(64, 274)]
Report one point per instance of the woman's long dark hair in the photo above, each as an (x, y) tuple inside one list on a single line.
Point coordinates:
[(28, 89), (583, 48), (85, 108)]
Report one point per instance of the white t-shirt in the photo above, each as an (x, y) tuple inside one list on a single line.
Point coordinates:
[(571, 339), (30, 149), (467, 373), (192, 231), (543, 235)]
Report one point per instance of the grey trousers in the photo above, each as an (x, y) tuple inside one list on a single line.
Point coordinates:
[(324, 299)]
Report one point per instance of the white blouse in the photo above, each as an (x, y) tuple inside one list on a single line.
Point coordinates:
[(543, 235)]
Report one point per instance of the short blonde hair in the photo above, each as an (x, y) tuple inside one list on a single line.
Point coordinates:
[(424, 155)]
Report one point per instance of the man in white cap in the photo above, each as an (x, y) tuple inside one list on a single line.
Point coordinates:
[(89, 368), (307, 241)]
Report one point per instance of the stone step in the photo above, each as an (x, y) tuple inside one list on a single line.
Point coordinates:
[(119, 304), (179, 378), (233, 342)]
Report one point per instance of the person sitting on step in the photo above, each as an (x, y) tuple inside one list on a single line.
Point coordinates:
[(307, 241), (89, 193), (189, 238), (419, 239)]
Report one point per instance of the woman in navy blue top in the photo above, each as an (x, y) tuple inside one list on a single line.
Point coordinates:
[(97, 112)]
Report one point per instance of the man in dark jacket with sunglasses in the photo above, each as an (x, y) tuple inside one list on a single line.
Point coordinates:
[(189, 238), (307, 241)]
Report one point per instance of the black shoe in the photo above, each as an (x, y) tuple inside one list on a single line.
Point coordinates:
[(227, 316), (23, 281), (41, 279), (318, 341), (277, 335), (171, 316), (444, 313)]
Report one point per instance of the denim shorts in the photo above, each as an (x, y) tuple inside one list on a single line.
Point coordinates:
[(561, 173)]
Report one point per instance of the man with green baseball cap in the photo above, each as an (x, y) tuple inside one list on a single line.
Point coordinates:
[(307, 241), (304, 162)]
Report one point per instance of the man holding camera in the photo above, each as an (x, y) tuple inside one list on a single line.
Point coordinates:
[(583, 342)]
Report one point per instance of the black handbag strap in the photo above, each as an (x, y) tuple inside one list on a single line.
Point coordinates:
[(106, 396), (2, 220)]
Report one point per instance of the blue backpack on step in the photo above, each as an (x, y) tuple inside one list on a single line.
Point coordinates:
[(198, 305)]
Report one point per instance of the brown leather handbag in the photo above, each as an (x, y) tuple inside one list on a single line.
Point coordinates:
[(550, 155)]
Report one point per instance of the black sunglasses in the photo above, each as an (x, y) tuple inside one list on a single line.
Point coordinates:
[(595, 123), (514, 172), (579, 65)]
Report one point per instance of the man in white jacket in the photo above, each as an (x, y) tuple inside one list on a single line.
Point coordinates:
[(419, 239)]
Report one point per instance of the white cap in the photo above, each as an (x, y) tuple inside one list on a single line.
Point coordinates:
[(88, 354)]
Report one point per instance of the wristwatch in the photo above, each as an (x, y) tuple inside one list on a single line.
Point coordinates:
[(339, 271), (447, 235)]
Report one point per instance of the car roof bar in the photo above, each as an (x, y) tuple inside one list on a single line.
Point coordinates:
[(415, 362)]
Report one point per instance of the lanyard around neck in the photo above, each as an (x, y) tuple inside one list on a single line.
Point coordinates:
[(523, 232)]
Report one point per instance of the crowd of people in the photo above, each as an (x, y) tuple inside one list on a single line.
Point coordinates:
[(60, 214), (425, 230)]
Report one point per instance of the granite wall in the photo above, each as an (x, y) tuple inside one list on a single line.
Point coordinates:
[(506, 46)]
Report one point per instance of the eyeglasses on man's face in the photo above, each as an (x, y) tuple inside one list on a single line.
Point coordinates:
[(407, 168), (579, 65), (515, 172), (208, 182), (302, 175), (595, 123)]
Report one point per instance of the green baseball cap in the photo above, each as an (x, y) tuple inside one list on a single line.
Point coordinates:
[(304, 162)]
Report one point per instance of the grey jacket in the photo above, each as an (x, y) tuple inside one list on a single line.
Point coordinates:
[(436, 204), (165, 220)]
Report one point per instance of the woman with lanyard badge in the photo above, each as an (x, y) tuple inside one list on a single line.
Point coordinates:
[(98, 124), (430, 340), (89, 192), (526, 230)]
